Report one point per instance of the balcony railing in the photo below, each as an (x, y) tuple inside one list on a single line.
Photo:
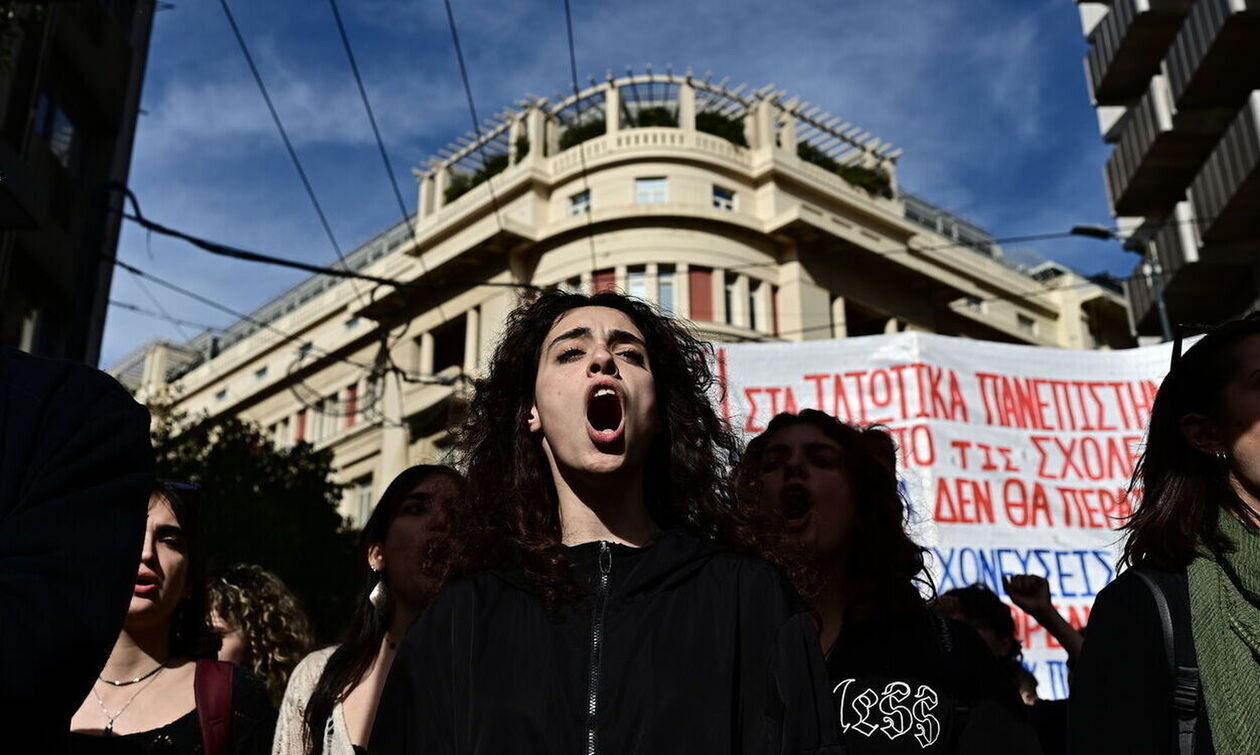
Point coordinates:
[(1227, 191), (1215, 59), (1156, 156), (1127, 46)]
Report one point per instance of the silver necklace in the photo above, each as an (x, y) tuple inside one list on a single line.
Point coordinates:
[(110, 719), (127, 682)]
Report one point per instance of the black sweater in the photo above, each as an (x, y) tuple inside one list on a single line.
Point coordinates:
[(1122, 699), (679, 647), (75, 470)]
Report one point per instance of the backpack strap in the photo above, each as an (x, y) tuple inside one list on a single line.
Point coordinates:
[(212, 689), (1187, 688)]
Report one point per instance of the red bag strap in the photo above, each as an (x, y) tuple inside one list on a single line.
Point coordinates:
[(212, 688)]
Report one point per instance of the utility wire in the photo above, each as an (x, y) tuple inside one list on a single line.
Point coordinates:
[(161, 310), (285, 336), (288, 145), (472, 111), (586, 186), (160, 316), (224, 250)]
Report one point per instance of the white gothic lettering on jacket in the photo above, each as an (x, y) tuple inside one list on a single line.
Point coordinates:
[(893, 712)]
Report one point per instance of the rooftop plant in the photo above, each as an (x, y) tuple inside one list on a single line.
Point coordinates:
[(874, 181), (575, 135), (730, 129)]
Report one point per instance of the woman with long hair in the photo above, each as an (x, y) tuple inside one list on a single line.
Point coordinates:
[(605, 594), (1191, 564), (330, 704), (161, 691), (904, 679), (260, 623)]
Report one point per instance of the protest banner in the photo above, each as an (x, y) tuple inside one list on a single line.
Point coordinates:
[(1015, 459)]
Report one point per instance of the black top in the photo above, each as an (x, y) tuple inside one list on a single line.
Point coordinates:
[(919, 683), (686, 648), (75, 470), (253, 724), (1122, 699)]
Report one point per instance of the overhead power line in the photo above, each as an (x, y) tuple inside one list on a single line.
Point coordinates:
[(162, 313), (472, 111), (224, 250), (586, 186), (158, 315), (284, 136)]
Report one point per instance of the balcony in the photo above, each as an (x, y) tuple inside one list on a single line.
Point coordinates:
[(1157, 156), (1215, 59), (1127, 46), (1227, 191)]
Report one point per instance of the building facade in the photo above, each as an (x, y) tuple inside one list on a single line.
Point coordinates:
[(1176, 84), (70, 82), (753, 214)]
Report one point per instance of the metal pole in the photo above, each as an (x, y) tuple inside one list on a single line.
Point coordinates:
[(1157, 282)]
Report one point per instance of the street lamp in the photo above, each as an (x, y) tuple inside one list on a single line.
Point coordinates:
[(1104, 233)]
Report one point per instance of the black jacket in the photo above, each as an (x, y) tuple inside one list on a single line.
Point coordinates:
[(919, 683), (1122, 692), (679, 647), (75, 469)]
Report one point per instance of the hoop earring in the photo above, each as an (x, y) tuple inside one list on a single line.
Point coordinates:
[(379, 597)]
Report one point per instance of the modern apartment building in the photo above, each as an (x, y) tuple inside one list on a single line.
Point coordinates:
[(1177, 87), (70, 81), (755, 215)]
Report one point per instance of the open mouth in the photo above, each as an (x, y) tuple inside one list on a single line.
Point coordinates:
[(794, 504), (604, 415)]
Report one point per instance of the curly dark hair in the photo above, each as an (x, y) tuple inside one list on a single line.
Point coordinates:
[(1183, 488), (980, 607), (885, 567), (510, 517), (275, 628)]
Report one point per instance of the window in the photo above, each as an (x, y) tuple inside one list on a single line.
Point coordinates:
[(362, 501), (651, 191), (636, 282), (754, 293), (449, 340), (729, 290), (299, 432), (975, 303), (281, 436), (723, 199), (317, 421), (603, 280), (571, 285), (304, 350), (221, 395), (665, 288), (352, 323), (260, 373), (1026, 323), (58, 130), (700, 283), (352, 404), (580, 202)]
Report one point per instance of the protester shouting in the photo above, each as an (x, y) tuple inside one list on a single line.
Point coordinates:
[(260, 624), (331, 701), (1170, 656), (161, 690), (905, 680), (607, 601)]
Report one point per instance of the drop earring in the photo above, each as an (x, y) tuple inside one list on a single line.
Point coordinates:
[(379, 597)]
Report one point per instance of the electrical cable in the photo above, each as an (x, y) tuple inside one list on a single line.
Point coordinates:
[(162, 310), (586, 186), (160, 316), (472, 112), (288, 145)]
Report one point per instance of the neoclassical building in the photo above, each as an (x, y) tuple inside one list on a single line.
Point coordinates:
[(753, 214)]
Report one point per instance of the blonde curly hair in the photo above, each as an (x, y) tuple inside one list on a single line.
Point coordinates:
[(274, 627)]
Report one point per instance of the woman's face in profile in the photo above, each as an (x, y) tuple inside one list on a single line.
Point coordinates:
[(1240, 404), (162, 577)]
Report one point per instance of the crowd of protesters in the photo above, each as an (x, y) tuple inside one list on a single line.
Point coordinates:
[(613, 573)]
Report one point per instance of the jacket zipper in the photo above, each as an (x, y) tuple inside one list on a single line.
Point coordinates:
[(597, 642)]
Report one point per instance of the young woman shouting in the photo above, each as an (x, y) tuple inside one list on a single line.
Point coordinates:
[(608, 598)]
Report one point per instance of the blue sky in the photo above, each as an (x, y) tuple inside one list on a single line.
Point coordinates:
[(986, 97)]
